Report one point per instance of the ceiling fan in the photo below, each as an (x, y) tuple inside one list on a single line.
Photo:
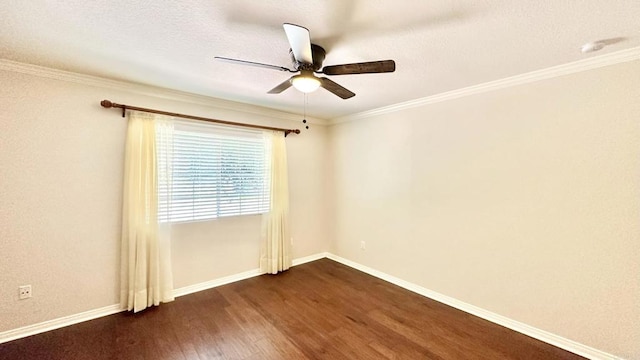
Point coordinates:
[(307, 60)]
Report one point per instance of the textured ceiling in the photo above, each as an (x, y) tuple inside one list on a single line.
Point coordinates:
[(438, 45)]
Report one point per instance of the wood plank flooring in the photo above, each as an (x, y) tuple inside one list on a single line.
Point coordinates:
[(319, 310)]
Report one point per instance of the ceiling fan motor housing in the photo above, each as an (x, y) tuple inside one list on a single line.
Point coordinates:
[(318, 54)]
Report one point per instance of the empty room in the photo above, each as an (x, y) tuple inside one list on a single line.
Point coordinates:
[(340, 179)]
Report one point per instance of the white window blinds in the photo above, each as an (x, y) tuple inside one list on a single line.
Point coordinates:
[(213, 171)]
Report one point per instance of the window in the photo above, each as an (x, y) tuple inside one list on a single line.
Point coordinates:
[(211, 171)]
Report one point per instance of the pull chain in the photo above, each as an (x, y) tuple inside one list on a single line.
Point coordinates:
[(304, 119)]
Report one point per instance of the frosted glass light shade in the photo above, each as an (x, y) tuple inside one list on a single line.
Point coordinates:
[(306, 84)]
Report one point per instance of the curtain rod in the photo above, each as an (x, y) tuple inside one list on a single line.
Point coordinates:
[(108, 104)]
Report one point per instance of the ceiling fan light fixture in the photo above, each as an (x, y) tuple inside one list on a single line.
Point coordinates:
[(305, 83)]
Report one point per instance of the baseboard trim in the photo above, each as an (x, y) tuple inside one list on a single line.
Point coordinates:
[(49, 325), (61, 322), (310, 258), (216, 282), (241, 276), (547, 337), (525, 329)]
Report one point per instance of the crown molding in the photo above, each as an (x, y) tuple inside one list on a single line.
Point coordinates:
[(551, 72), (141, 89)]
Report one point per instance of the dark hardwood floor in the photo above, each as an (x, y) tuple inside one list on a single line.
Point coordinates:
[(319, 310)]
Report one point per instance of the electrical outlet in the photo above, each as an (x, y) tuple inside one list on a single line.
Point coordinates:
[(363, 245), (25, 291)]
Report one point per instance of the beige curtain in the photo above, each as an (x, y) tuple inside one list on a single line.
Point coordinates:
[(146, 277), (276, 242)]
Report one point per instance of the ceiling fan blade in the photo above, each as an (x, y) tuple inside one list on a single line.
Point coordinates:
[(300, 42), (251, 63), (382, 66), (336, 89), (281, 87)]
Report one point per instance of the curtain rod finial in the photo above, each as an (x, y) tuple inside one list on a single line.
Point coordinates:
[(106, 103), (295, 131)]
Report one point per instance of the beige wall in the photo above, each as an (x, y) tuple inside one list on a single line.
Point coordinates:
[(523, 201), (61, 159)]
